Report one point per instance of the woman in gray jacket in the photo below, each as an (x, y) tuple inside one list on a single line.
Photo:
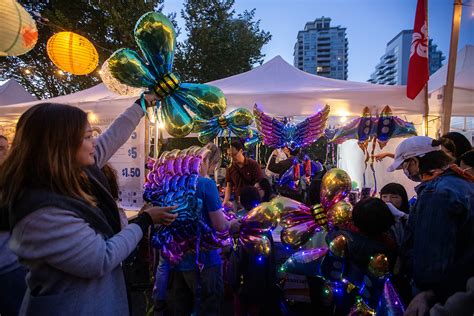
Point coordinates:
[(64, 222)]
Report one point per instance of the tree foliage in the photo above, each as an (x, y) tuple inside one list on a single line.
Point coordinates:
[(107, 24), (220, 43)]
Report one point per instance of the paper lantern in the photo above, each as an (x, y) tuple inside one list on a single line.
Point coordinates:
[(72, 53), (114, 85), (18, 33)]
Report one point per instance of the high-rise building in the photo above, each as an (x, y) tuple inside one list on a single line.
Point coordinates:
[(392, 68), (321, 49)]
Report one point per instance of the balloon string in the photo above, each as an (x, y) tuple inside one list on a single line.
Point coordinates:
[(372, 166), (327, 153), (143, 105)]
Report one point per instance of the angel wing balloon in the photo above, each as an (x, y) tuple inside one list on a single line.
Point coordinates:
[(156, 38), (284, 133)]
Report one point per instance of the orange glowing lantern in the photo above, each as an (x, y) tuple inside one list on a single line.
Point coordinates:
[(73, 53)]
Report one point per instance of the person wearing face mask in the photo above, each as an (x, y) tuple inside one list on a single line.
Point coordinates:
[(441, 223), (467, 163)]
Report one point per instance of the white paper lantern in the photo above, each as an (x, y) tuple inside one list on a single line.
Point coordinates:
[(114, 85), (18, 32)]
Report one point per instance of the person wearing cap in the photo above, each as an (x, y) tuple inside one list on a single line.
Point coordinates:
[(441, 224)]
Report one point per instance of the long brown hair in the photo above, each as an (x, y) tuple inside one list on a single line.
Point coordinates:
[(43, 154)]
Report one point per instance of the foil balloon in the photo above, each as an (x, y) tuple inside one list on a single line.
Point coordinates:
[(299, 222), (361, 309), (156, 38), (114, 85), (173, 180), (374, 281), (253, 138), (257, 224), (336, 185), (334, 263), (339, 214), (391, 304), (285, 133), (305, 262), (303, 171), (236, 122), (389, 126), (367, 127)]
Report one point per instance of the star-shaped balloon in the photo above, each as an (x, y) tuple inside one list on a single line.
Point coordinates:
[(156, 38)]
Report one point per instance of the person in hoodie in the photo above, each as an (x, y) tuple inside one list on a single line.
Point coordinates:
[(65, 225)]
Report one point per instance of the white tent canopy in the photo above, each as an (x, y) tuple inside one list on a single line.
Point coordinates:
[(97, 99), (284, 90), (463, 94), (12, 92)]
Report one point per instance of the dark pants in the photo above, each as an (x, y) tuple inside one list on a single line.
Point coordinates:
[(12, 291), (184, 292)]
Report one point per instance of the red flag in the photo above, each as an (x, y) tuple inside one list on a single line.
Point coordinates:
[(418, 69)]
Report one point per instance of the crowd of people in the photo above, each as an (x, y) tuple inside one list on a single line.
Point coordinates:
[(63, 238)]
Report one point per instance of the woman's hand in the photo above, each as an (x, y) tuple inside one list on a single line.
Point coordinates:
[(161, 215)]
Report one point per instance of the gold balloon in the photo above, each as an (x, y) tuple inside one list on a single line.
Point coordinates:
[(265, 214), (361, 309), (336, 185), (296, 236), (378, 265), (338, 246), (339, 214), (256, 244)]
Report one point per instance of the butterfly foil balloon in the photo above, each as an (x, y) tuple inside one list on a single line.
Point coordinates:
[(380, 128), (173, 180), (236, 122), (279, 134), (300, 222), (156, 38), (371, 287)]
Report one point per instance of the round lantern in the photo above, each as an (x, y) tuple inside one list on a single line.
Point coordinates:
[(114, 85), (73, 53), (18, 33)]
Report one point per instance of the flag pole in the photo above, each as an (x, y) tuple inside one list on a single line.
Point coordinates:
[(448, 89), (427, 105)]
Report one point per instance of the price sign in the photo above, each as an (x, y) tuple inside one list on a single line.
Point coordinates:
[(129, 162)]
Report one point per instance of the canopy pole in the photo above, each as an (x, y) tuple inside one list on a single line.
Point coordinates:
[(427, 111), (448, 89), (427, 105)]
